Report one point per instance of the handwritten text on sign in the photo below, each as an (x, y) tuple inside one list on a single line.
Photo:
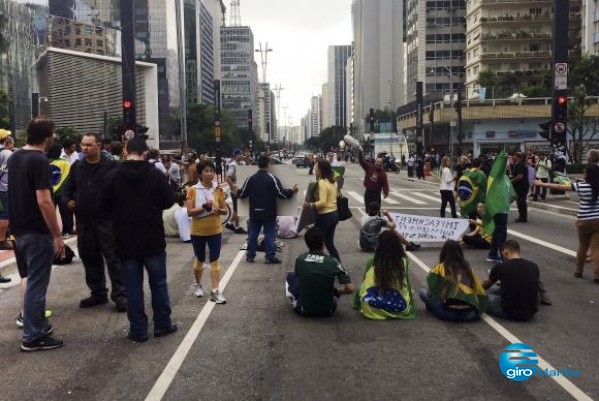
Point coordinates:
[(428, 228)]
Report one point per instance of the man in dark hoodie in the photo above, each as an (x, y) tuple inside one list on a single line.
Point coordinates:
[(138, 193), (84, 193)]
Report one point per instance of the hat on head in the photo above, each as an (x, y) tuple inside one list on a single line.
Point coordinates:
[(4, 133), (237, 152)]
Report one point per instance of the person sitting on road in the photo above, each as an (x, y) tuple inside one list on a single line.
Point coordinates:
[(176, 221), (385, 292), (311, 287), (517, 295), (478, 237), (373, 223), (454, 293)]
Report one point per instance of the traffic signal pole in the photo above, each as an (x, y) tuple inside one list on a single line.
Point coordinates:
[(559, 98), (128, 68)]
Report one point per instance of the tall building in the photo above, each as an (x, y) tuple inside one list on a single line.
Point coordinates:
[(80, 36), (336, 101), (590, 27), (435, 44), (239, 72), (266, 121), (378, 57), (313, 120), (207, 20), (16, 64), (514, 40)]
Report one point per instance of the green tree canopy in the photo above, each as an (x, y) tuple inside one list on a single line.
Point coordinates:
[(329, 138)]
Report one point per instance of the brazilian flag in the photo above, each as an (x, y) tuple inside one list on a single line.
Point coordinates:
[(500, 192), (339, 172), (471, 190)]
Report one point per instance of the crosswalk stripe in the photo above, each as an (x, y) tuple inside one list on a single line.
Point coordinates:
[(390, 201), (356, 196), (408, 198), (429, 197)]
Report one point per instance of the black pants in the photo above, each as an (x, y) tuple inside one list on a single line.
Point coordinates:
[(447, 197), (66, 216), (371, 196), (521, 203), (476, 241), (542, 191), (96, 244)]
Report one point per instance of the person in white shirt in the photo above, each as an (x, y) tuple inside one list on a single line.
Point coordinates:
[(446, 187), (69, 150), (543, 172), (154, 159)]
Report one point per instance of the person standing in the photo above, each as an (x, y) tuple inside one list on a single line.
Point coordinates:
[(7, 145), (205, 203), (327, 217), (137, 194), (543, 171), (520, 183), (263, 189), (233, 225), (84, 193), (375, 180), (446, 187), (38, 235)]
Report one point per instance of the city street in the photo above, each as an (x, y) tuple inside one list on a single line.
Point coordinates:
[(256, 348)]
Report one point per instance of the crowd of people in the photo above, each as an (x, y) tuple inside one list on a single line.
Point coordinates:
[(119, 198)]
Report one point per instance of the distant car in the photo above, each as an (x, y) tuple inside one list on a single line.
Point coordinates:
[(300, 161), (273, 160)]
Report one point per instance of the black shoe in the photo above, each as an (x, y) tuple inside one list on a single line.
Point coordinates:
[(412, 247), (240, 230), (520, 220), (230, 226), (272, 261), (249, 260), (165, 332), (41, 344), (137, 339), (93, 301), (121, 306), (545, 301), (5, 279)]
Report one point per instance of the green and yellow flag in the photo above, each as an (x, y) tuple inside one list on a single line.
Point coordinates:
[(500, 192), (471, 190)]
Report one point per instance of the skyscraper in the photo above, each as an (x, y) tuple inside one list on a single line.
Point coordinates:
[(336, 99), (378, 56), (239, 72)]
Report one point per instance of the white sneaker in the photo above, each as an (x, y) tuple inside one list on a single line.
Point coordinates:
[(217, 296), (199, 291)]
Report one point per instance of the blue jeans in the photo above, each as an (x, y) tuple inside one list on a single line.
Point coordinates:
[(439, 310), (327, 223), (499, 234), (495, 308), (134, 282), (38, 253), (269, 237), (199, 243)]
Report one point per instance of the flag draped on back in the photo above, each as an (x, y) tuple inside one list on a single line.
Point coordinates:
[(471, 190), (500, 192)]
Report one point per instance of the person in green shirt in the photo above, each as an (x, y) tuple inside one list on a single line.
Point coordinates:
[(311, 286)]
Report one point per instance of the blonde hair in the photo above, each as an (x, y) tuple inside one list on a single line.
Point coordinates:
[(446, 161)]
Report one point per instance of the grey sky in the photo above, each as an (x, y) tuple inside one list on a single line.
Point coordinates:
[(299, 32)]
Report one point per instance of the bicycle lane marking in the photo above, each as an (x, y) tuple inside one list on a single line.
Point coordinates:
[(562, 381), (172, 367)]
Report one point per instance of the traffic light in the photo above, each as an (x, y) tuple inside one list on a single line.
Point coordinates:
[(250, 120), (561, 108), (545, 131), (128, 114), (560, 113), (431, 114)]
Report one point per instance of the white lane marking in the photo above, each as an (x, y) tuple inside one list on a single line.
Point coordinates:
[(173, 366), (356, 196), (390, 201), (429, 197), (542, 243), (564, 383), (408, 198)]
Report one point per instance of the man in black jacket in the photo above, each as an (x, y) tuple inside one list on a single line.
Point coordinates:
[(137, 195), (263, 189), (84, 193)]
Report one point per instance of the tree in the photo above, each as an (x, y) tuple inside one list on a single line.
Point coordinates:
[(200, 130), (330, 137), (67, 132), (312, 143), (488, 79), (583, 78)]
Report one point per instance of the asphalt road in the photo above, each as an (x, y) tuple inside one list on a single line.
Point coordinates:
[(256, 348)]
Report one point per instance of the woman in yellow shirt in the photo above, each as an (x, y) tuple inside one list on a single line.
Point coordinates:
[(205, 203), (326, 206)]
